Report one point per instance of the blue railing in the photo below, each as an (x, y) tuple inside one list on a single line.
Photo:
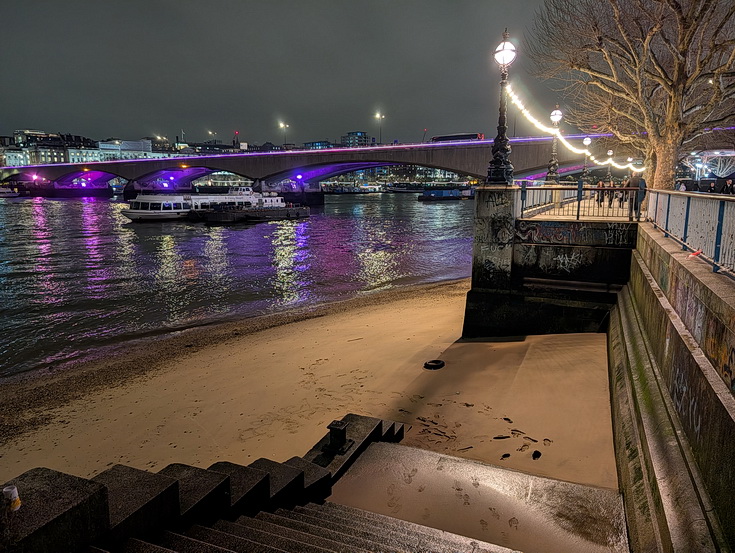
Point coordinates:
[(701, 223)]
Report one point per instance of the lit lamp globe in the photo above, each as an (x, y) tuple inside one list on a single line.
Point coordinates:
[(587, 141), (556, 116), (505, 53)]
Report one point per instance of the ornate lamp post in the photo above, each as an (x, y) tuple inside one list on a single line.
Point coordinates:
[(608, 177), (585, 174), (500, 169), (379, 116), (553, 174)]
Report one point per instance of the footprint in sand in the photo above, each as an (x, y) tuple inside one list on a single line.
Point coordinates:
[(391, 489), (513, 523), (515, 432), (408, 477), (547, 441), (494, 513), (501, 437), (466, 499), (421, 488), (506, 419), (504, 456), (530, 439), (475, 482), (483, 524), (524, 447)]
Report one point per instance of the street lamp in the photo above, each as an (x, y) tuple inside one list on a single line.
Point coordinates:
[(213, 140), (587, 141), (608, 177), (553, 173), (380, 118), (500, 169), (284, 126)]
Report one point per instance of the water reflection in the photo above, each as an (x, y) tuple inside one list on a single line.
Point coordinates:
[(76, 275)]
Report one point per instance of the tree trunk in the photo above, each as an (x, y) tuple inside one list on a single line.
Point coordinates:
[(666, 158)]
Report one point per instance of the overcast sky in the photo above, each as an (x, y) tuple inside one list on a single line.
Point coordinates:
[(137, 68)]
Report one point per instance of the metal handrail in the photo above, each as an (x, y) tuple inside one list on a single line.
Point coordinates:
[(579, 202), (702, 223)]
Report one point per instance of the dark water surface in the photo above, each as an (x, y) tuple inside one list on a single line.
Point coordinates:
[(75, 275)]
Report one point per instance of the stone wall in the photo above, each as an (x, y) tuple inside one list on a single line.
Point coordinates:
[(687, 313)]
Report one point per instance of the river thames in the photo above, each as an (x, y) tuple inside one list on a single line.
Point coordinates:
[(77, 276)]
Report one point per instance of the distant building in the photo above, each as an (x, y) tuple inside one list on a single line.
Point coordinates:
[(318, 145), (356, 139)]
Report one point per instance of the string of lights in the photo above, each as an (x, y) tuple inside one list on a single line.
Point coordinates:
[(555, 131)]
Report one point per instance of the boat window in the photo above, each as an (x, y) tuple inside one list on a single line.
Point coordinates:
[(144, 206), (187, 205), (167, 206), (134, 205), (177, 205), (155, 206), (203, 206)]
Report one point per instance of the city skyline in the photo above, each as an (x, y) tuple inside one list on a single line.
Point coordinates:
[(324, 68)]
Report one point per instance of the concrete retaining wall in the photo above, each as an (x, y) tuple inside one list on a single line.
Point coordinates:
[(688, 315)]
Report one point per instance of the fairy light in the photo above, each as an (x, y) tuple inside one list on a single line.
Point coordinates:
[(555, 131)]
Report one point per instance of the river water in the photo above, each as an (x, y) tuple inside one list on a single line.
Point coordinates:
[(76, 276)]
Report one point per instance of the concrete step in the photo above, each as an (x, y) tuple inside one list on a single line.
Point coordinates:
[(267, 538), (286, 482), (410, 543), (57, 508), (317, 480), (328, 533), (139, 502), (249, 488), (204, 495), (228, 541), (137, 546), (347, 514), (184, 544), (304, 537), (337, 455)]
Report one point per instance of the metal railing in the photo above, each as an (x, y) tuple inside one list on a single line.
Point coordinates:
[(701, 223), (578, 202)]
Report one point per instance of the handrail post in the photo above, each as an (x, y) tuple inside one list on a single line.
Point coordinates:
[(523, 196), (580, 193), (718, 237), (686, 225), (668, 210)]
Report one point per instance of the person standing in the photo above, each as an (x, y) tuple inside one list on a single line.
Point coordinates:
[(712, 188), (640, 194), (600, 192), (728, 188)]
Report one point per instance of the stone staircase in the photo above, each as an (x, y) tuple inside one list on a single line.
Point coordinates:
[(265, 506)]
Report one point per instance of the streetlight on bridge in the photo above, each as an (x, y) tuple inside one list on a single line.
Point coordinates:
[(283, 126), (500, 169), (553, 174), (608, 177), (379, 116), (587, 141)]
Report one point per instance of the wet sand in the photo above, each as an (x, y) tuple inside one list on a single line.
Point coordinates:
[(268, 387)]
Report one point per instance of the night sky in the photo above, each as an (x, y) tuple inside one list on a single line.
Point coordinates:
[(135, 68)]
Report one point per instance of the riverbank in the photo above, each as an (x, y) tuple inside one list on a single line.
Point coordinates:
[(268, 387)]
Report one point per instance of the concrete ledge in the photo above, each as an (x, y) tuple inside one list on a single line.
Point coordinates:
[(204, 495), (58, 513)]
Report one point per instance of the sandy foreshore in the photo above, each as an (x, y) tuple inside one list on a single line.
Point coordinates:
[(268, 387)]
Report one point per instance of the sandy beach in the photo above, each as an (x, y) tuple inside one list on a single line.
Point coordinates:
[(268, 387)]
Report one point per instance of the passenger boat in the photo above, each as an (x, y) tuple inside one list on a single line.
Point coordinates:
[(166, 207), (8, 193)]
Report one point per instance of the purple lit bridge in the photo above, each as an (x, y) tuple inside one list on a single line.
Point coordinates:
[(294, 173)]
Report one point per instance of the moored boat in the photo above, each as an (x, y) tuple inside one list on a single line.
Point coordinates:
[(8, 193), (167, 207)]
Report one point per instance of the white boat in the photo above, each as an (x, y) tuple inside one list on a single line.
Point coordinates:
[(8, 193), (166, 207)]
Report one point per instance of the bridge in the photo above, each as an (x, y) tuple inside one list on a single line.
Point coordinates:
[(303, 167)]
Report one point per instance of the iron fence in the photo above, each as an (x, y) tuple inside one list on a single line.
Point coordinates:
[(576, 202), (701, 223)]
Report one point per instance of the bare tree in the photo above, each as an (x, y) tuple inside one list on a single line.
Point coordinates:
[(658, 74)]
